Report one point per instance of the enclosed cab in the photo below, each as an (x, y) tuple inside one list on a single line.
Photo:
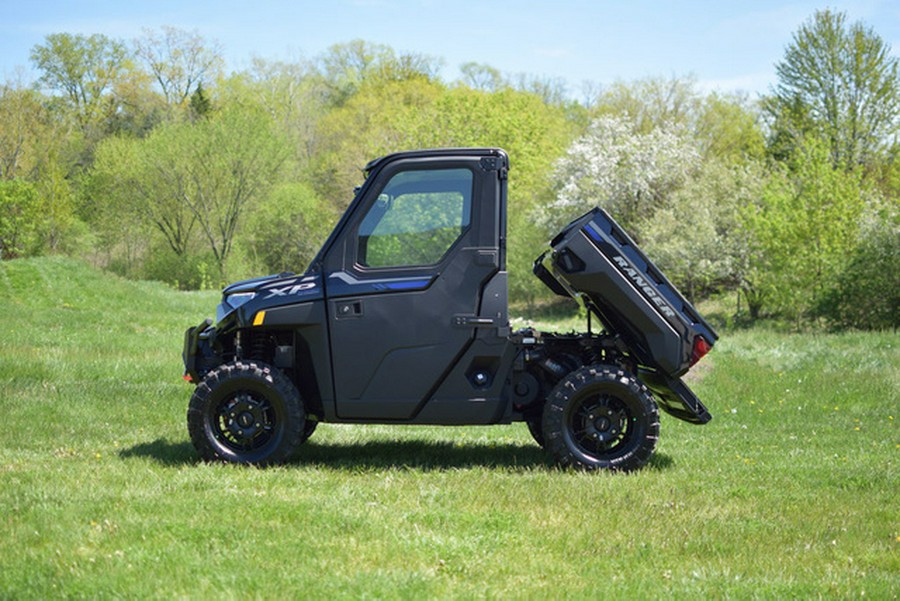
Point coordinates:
[(402, 317)]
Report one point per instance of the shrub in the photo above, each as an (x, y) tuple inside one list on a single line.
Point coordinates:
[(20, 217), (867, 294)]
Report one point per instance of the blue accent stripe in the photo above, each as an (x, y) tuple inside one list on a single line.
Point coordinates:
[(410, 285), (339, 287), (594, 234)]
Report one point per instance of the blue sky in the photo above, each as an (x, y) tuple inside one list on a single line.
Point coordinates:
[(726, 45)]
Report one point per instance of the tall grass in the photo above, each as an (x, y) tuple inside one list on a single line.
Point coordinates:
[(791, 490)]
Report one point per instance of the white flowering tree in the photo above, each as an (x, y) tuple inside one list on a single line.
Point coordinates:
[(630, 174)]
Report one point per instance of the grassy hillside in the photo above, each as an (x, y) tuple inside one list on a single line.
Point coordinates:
[(791, 490)]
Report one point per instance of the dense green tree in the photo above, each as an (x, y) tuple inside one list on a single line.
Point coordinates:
[(37, 217), (200, 105), (20, 210), (479, 76), (286, 229), (84, 69), (295, 96), (804, 226), (866, 293), (142, 181), (192, 181), (26, 130), (39, 148), (840, 80), (346, 67), (60, 226), (728, 130), (652, 103), (229, 163)]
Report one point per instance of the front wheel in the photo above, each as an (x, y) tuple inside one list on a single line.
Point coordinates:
[(308, 428), (246, 412), (600, 417), (535, 427)]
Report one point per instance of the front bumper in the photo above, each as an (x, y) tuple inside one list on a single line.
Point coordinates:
[(197, 353)]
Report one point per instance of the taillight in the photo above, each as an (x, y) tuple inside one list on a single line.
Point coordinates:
[(701, 347)]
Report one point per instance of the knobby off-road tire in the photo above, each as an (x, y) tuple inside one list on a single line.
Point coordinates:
[(600, 417), (308, 428), (246, 412)]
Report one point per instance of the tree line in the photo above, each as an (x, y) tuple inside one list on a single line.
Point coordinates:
[(149, 159)]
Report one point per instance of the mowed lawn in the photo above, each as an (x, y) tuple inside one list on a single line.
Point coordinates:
[(791, 491)]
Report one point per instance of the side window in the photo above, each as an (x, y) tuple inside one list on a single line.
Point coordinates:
[(416, 218)]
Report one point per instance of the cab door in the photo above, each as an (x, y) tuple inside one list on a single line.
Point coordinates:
[(404, 282)]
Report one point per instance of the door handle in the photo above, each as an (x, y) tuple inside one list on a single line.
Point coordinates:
[(487, 258), (348, 309), (473, 321)]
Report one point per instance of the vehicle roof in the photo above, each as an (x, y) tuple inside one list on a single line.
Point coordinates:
[(433, 152)]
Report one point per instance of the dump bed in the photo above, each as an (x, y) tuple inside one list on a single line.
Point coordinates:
[(593, 260)]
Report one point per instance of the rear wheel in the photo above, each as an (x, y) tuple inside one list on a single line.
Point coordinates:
[(600, 417), (246, 412)]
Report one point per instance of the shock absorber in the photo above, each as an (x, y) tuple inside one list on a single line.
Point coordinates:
[(598, 354), (257, 346)]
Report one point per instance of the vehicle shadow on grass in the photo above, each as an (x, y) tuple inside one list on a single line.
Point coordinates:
[(421, 455), (436, 456), (164, 452), (380, 454)]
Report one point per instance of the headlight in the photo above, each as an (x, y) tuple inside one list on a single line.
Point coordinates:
[(238, 299), (232, 302)]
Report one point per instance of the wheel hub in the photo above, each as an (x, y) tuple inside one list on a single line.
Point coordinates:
[(602, 422), (244, 419)]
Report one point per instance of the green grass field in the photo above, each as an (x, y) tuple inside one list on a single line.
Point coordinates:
[(791, 491)]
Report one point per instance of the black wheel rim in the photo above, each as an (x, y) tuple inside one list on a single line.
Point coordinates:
[(600, 424), (245, 421)]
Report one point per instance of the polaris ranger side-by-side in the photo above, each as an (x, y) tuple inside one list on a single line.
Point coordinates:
[(402, 318)]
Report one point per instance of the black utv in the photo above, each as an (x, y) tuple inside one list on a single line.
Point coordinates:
[(402, 318)]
